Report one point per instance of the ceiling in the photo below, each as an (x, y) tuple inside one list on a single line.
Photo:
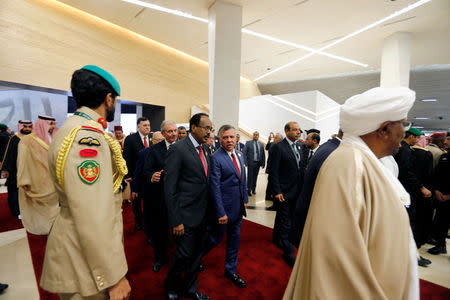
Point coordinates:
[(312, 23)]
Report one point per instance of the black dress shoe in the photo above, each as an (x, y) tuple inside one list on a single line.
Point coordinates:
[(289, 259), (157, 266), (271, 208), (254, 193), (3, 287), (138, 226), (438, 250), (249, 194), (171, 296), (197, 296), (238, 281), (149, 241), (427, 261)]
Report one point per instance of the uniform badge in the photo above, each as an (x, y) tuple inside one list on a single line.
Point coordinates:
[(90, 141), (89, 171), (88, 152)]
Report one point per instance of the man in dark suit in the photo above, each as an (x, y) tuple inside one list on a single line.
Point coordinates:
[(133, 144), (255, 158), (229, 194), (286, 178), (302, 204), (186, 192), (210, 144), (312, 144), (155, 210), (239, 146)]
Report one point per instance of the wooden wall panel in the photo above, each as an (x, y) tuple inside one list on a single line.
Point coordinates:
[(43, 42)]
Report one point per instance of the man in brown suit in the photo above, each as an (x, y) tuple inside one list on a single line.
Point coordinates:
[(85, 257)]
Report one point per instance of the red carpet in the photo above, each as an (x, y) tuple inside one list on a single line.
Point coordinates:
[(7, 221), (260, 265)]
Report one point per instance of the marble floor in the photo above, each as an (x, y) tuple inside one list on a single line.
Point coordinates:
[(16, 267)]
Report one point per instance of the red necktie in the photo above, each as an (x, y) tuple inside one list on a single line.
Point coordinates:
[(235, 163), (145, 142), (202, 158)]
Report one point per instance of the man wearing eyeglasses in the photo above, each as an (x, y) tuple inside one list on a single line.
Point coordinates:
[(186, 179)]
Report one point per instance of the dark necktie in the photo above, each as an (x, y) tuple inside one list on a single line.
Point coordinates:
[(235, 164), (202, 158)]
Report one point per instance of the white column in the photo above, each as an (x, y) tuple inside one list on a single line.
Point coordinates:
[(225, 22), (395, 62)]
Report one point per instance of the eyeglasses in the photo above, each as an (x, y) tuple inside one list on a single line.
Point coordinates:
[(407, 125), (207, 128)]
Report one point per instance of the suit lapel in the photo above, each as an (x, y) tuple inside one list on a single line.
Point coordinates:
[(229, 161), (241, 163), (196, 155), (289, 150)]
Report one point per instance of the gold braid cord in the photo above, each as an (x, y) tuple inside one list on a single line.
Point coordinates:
[(121, 166)]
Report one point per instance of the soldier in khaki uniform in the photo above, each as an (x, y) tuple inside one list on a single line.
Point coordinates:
[(85, 257)]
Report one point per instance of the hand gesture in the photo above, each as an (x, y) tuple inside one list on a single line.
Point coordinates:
[(279, 197), (223, 220), (178, 230), (156, 177)]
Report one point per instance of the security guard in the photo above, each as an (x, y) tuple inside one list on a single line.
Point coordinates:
[(85, 257)]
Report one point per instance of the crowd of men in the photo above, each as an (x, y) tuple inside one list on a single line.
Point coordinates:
[(340, 203)]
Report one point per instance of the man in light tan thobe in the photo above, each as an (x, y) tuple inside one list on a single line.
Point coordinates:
[(38, 200), (357, 242)]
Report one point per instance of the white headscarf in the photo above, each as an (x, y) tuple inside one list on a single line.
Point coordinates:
[(365, 112)]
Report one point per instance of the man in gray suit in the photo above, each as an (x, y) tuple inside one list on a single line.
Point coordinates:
[(255, 158)]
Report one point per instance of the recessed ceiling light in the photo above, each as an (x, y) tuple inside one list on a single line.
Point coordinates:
[(421, 118), (370, 26), (429, 100), (246, 31), (419, 127)]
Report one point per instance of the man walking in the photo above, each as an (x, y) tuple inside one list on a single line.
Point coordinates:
[(229, 194), (186, 181), (85, 257), (286, 179), (255, 158)]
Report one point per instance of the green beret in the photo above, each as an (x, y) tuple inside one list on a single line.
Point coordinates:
[(3, 126), (105, 75), (415, 131)]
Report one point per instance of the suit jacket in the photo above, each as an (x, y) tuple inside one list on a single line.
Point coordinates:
[(186, 184), (285, 175), (302, 205), (131, 147), (138, 184), (407, 173), (10, 160), (240, 147), (249, 153), (228, 189), (155, 162)]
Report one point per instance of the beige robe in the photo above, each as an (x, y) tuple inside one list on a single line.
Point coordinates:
[(356, 241), (39, 206), (436, 152), (85, 253)]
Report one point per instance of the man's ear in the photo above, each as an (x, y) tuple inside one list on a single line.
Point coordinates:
[(383, 129), (109, 99)]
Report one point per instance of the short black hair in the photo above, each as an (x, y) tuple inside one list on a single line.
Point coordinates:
[(142, 119), (287, 127), (181, 128), (315, 137), (225, 128), (195, 119), (89, 89), (408, 134)]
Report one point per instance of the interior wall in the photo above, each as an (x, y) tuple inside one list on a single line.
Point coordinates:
[(43, 42)]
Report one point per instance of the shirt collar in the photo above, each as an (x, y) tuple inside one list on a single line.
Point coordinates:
[(194, 141), (231, 152), (167, 144), (141, 135), (289, 141)]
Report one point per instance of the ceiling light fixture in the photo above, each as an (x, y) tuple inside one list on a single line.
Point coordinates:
[(418, 127), (421, 118), (429, 100), (370, 26), (246, 31)]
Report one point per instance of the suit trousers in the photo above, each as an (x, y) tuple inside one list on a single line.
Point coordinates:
[(424, 220), (13, 200), (233, 231), (147, 209), (137, 209), (252, 176), (442, 220), (159, 230), (282, 227), (186, 259)]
